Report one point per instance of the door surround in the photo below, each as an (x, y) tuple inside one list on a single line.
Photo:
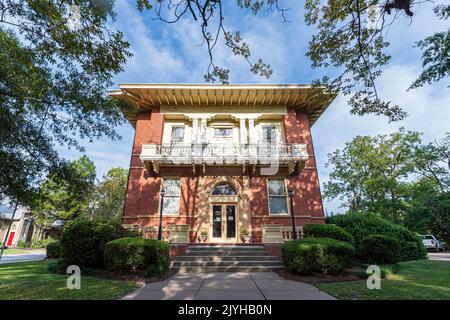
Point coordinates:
[(205, 199)]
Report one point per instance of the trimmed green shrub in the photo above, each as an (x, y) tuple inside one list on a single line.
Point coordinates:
[(57, 266), (317, 255), (128, 254), (379, 249), (54, 250), (83, 241), (332, 231), (40, 244), (21, 244), (363, 224)]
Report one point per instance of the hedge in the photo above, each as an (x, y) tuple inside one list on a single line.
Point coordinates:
[(363, 224), (317, 255), (129, 254), (83, 241), (54, 250), (327, 231), (379, 249)]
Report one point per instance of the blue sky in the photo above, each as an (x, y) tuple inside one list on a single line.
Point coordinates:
[(172, 54)]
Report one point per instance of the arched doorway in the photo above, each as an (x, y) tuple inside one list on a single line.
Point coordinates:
[(223, 191)]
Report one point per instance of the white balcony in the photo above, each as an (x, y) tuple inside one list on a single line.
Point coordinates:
[(292, 155)]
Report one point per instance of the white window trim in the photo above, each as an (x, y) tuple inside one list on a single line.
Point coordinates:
[(179, 198), (275, 139), (286, 196), (279, 130), (222, 127), (184, 133)]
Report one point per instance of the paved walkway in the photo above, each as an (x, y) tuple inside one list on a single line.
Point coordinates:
[(228, 286), (23, 257), (441, 256)]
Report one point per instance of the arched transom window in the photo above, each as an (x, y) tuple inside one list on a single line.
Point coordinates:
[(223, 190)]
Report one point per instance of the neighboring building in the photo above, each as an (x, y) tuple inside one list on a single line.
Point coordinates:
[(225, 156), (20, 227)]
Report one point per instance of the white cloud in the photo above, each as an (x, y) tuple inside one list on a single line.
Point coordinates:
[(428, 109)]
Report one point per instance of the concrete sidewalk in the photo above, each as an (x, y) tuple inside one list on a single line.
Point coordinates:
[(441, 256), (36, 255), (228, 286)]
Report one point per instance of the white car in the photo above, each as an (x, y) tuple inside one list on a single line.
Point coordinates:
[(430, 242)]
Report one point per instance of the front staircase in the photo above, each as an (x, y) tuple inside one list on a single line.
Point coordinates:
[(223, 258)]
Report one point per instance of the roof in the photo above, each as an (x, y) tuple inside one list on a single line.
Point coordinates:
[(311, 99)]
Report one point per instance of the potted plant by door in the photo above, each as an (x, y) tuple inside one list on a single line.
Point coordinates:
[(246, 236), (203, 236)]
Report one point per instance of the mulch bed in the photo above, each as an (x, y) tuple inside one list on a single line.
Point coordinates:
[(351, 274)]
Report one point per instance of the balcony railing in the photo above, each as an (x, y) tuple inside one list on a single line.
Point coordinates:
[(212, 153)]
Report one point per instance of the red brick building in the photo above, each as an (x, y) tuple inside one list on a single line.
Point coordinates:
[(225, 156)]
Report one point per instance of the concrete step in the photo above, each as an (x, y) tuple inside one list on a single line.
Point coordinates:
[(261, 263), (225, 249), (227, 258), (228, 269), (225, 253)]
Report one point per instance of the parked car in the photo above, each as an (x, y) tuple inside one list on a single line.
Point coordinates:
[(444, 244), (431, 242)]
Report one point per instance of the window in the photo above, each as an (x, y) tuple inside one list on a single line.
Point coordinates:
[(269, 134), (223, 132), (277, 196), (177, 134), (223, 190), (171, 202)]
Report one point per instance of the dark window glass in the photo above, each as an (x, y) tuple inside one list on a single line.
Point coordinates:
[(223, 190)]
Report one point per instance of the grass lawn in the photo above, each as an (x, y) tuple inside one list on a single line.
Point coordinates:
[(31, 280), (18, 250), (421, 279)]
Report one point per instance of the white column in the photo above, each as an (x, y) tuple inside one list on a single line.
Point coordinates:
[(203, 131), (194, 130), (243, 131), (251, 131)]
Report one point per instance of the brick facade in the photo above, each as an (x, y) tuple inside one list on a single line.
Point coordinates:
[(143, 201)]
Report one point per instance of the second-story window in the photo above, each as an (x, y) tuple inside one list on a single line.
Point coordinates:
[(171, 202), (268, 134), (177, 134), (223, 132)]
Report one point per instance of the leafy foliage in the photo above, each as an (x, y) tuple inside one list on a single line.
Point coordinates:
[(83, 241), (351, 37), (54, 250), (379, 249), (332, 231), (363, 224), (428, 210), (375, 173), (127, 254), (108, 197), (65, 196), (56, 64), (317, 255)]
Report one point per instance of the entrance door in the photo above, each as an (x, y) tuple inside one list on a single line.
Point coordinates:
[(223, 223), (10, 238)]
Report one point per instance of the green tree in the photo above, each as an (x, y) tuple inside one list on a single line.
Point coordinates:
[(57, 59), (428, 209), (65, 196), (350, 35), (108, 197), (371, 173)]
